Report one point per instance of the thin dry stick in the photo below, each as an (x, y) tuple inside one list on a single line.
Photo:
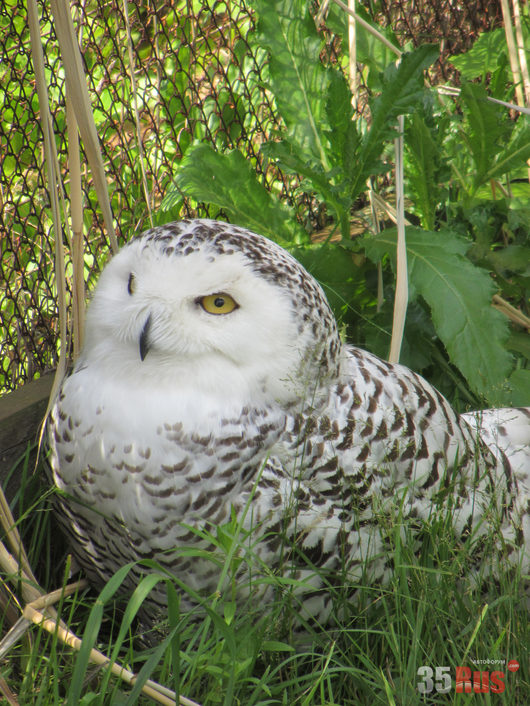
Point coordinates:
[(141, 155), (352, 46), (66, 636), (8, 524), (402, 287), (7, 693), (387, 208), (32, 613), (512, 51), (521, 51), (52, 173), (368, 27), (76, 210), (28, 583), (22, 625), (78, 91), (377, 229), (511, 312)]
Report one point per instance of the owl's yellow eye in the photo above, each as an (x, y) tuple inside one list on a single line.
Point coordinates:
[(218, 303)]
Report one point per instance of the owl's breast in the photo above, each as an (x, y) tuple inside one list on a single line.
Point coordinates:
[(140, 455)]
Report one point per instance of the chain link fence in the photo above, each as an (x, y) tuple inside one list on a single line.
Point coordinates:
[(160, 75)]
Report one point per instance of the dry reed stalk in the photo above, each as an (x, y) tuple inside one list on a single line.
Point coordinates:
[(80, 100), (53, 189), (76, 214), (512, 51), (401, 296), (352, 48), (36, 601), (525, 75), (521, 54), (387, 208), (138, 128), (402, 287), (376, 229), (368, 27), (511, 312), (33, 614), (69, 638), (161, 694), (11, 532)]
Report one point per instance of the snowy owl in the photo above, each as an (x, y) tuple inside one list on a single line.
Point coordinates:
[(213, 384)]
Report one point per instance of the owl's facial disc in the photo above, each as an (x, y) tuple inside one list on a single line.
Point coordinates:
[(219, 304)]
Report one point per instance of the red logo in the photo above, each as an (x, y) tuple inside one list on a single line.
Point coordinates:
[(468, 682), (513, 665)]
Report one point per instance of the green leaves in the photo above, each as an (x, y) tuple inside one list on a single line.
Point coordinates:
[(322, 142), (459, 296), (402, 91), (299, 80), (424, 168), (496, 144), (335, 153), (230, 182), (484, 57)]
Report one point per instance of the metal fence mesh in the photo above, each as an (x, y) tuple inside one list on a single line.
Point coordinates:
[(198, 75)]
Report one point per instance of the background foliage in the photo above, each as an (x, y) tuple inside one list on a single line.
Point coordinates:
[(204, 86), (456, 151)]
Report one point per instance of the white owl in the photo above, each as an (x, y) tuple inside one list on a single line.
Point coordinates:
[(213, 381)]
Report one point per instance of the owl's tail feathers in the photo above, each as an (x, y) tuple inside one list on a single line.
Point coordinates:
[(506, 431)]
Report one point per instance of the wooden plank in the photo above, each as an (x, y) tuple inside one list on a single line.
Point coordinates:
[(21, 414)]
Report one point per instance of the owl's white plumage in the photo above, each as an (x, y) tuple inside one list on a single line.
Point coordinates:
[(175, 416)]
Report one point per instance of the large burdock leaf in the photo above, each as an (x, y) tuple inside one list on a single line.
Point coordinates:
[(229, 181), (459, 295), (299, 80)]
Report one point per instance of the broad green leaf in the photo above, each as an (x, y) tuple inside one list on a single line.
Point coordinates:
[(515, 154), (289, 159), (459, 295), (519, 342), (299, 79), (487, 130), (228, 181), (276, 646), (403, 88), (344, 137), (519, 381), (484, 55), (423, 167), (513, 257)]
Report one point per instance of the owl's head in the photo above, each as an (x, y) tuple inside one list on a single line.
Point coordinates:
[(212, 306)]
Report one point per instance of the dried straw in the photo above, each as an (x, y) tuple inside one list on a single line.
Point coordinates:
[(402, 287), (80, 101)]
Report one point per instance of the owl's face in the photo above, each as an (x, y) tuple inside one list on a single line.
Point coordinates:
[(207, 310)]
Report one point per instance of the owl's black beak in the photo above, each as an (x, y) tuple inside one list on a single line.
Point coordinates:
[(144, 338)]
